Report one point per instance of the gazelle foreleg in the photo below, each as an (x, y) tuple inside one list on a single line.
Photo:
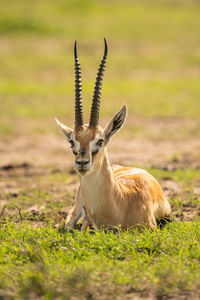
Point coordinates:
[(76, 212), (86, 220)]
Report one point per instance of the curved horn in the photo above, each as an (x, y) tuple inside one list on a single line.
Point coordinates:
[(78, 92), (94, 115)]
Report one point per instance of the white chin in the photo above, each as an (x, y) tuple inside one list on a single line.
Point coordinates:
[(85, 172), (82, 172)]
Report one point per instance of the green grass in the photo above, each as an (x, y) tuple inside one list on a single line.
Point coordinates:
[(47, 263), (146, 99), (188, 177)]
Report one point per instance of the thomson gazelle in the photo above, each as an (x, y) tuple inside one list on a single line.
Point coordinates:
[(108, 196)]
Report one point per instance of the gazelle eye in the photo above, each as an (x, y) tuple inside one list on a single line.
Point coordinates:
[(75, 153), (100, 143), (72, 143)]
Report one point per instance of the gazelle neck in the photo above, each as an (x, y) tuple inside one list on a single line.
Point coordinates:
[(97, 191), (101, 176)]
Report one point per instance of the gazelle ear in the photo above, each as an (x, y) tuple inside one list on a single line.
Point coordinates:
[(116, 123), (66, 130)]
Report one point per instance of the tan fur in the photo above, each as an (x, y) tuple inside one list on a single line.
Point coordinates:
[(117, 196)]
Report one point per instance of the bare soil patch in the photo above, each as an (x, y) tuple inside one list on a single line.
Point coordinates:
[(30, 170)]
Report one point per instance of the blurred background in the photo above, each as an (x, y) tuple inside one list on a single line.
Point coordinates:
[(153, 66)]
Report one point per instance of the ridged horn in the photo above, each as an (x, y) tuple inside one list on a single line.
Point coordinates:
[(78, 92), (94, 115)]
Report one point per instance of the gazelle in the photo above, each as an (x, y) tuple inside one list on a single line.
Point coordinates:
[(109, 196)]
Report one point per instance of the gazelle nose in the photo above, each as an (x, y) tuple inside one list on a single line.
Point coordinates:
[(83, 151), (82, 162)]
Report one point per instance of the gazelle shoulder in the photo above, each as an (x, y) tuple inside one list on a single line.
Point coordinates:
[(133, 177), (135, 180), (119, 171)]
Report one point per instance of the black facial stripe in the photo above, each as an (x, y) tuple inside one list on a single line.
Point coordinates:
[(95, 152)]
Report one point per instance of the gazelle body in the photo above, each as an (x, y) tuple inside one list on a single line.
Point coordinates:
[(108, 196)]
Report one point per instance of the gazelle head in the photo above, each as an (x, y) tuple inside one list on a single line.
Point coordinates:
[(88, 142)]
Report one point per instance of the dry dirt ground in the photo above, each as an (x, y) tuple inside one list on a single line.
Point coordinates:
[(37, 177)]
